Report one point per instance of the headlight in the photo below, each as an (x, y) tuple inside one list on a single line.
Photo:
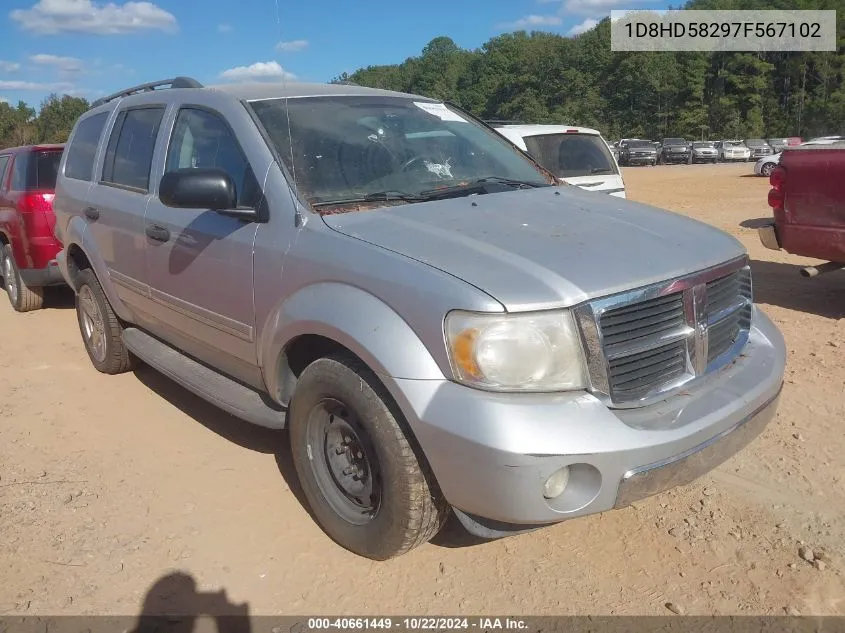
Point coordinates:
[(539, 351)]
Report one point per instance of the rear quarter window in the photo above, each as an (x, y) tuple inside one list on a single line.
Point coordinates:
[(83, 147)]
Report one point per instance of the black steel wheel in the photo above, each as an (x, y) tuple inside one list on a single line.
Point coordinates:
[(367, 483), (343, 462)]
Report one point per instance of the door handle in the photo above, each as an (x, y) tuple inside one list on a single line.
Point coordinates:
[(157, 233), (92, 213)]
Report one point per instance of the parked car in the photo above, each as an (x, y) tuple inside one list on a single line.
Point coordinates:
[(758, 147), (732, 151), (778, 144), (766, 165), (703, 152), (576, 155), (673, 150), (637, 152), (438, 321), (808, 200), (28, 247)]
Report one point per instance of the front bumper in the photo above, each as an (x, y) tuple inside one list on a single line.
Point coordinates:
[(676, 157), (492, 453), (644, 159)]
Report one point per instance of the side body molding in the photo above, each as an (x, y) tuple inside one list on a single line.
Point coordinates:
[(76, 234), (352, 317)]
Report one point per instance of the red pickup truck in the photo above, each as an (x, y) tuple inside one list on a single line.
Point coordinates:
[(808, 198)]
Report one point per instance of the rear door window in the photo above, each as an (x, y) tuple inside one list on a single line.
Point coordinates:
[(571, 155), (83, 147), (129, 155)]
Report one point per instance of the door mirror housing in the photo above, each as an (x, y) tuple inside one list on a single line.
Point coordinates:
[(204, 188)]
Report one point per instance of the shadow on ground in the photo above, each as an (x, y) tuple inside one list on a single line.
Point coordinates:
[(59, 297), (173, 604), (782, 285), (755, 223), (260, 440)]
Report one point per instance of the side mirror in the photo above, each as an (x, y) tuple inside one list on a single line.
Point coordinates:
[(207, 188)]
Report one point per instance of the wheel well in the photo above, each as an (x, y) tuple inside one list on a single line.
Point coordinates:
[(298, 354), (77, 260), (3, 239), (305, 349)]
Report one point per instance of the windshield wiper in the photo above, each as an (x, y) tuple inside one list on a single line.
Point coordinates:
[(477, 186), (378, 196)]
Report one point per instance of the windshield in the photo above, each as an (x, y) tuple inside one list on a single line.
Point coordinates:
[(703, 144), (344, 149), (641, 144), (674, 141), (733, 144), (755, 142), (571, 155)]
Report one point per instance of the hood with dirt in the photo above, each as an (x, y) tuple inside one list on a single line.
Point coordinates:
[(544, 248)]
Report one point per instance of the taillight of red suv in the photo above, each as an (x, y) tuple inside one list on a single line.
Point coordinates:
[(777, 179)]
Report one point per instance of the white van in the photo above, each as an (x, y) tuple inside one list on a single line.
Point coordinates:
[(577, 155)]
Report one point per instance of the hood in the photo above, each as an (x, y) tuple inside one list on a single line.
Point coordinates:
[(543, 248)]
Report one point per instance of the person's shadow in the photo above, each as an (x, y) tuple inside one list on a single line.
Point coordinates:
[(173, 605)]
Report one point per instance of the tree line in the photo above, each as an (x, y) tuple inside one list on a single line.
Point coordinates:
[(547, 78), (52, 123)]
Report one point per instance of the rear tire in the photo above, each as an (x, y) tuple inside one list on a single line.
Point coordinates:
[(22, 297), (100, 328), (367, 487)]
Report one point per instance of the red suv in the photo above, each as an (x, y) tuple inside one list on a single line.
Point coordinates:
[(27, 245)]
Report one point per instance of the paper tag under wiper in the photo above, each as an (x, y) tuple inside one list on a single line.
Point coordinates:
[(440, 111)]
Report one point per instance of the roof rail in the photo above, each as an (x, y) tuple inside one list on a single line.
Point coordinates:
[(502, 122), (176, 82)]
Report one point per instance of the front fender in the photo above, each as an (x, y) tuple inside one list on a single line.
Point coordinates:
[(75, 235), (354, 318)]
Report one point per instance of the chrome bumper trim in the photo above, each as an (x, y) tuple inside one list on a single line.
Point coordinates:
[(769, 236), (688, 466)]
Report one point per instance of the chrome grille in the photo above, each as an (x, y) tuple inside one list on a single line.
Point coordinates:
[(643, 344), (636, 375), (728, 312)]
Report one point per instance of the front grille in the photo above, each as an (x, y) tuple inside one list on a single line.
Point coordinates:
[(632, 336), (643, 344), (728, 312)]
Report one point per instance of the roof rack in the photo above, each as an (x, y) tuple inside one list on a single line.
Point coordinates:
[(176, 82)]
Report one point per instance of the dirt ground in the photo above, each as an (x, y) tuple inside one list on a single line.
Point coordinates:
[(108, 484)]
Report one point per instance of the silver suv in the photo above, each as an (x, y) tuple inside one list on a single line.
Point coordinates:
[(439, 324)]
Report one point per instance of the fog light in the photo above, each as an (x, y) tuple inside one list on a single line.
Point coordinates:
[(556, 484)]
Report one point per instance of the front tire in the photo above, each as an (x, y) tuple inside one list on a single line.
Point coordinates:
[(22, 297), (367, 487), (767, 169), (100, 328)]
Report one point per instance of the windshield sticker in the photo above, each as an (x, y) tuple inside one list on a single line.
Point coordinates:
[(440, 111), (441, 170)]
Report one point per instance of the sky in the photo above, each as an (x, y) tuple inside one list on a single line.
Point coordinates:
[(90, 48)]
